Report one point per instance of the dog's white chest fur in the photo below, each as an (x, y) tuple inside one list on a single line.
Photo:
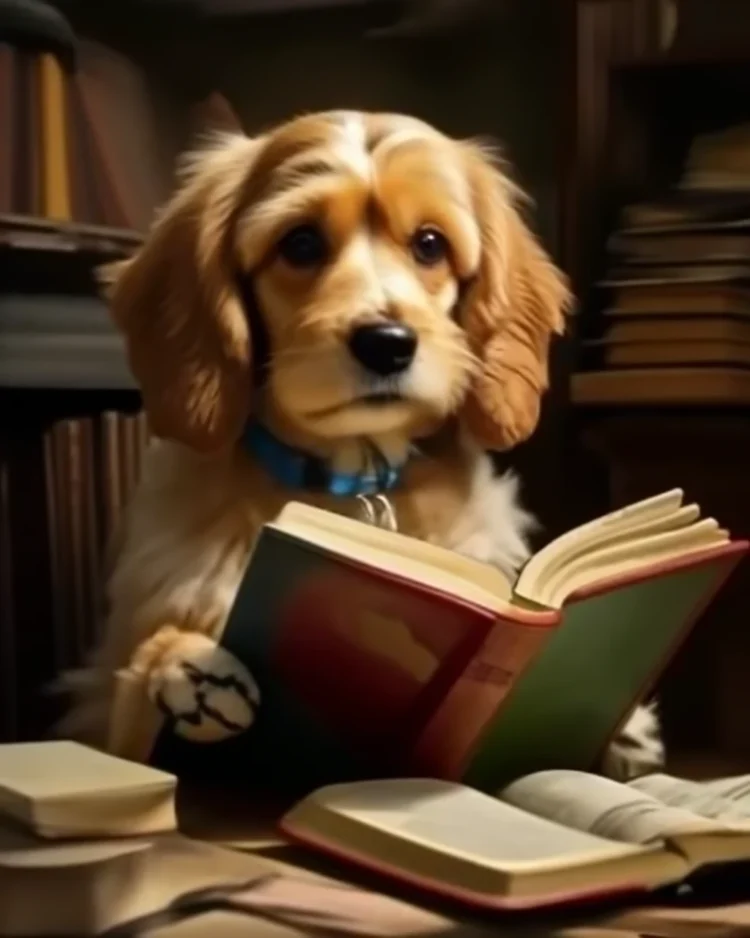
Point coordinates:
[(493, 528)]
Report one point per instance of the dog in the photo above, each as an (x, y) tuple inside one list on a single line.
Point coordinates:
[(347, 291)]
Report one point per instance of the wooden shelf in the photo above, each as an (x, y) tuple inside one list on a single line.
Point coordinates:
[(703, 766), (718, 56), (25, 232), (662, 387)]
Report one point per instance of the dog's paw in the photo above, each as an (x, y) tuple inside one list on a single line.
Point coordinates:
[(638, 749), (202, 689)]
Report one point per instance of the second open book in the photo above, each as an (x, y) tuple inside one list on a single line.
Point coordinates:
[(553, 837)]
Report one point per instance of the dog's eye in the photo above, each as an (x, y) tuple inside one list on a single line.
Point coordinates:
[(304, 246), (429, 247)]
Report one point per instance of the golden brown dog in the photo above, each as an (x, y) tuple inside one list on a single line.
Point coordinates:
[(361, 288)]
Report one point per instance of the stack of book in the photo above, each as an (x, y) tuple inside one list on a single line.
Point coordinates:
[(82, 834), (98, 839), (676, 322)]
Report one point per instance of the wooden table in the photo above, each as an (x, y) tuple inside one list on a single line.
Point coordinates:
[(248, 824)]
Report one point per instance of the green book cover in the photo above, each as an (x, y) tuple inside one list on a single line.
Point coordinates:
[(607, 654)]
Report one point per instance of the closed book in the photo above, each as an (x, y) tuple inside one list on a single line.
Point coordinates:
[(694, 247), (110, 474), (130, 137), (174, 887), (664, 275), (59, 451), (377, 654), (110, 197), (706, 385), (678, 329), (83, 161), (64, 790), (699, 352), (27, 167), (10, 677), (67, 888), (679, 299), (684, 209), (9, 100), (56, 202)]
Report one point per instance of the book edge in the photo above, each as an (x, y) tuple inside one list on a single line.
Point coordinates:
[(542, 617), (298, 835), (660, 568)]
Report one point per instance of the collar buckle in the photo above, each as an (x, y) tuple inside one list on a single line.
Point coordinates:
[(378, 511)]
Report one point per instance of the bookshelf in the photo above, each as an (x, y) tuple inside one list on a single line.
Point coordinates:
[(637, 102), (71, 430)]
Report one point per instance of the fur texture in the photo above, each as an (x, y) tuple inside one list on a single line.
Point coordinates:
[(225, 319)]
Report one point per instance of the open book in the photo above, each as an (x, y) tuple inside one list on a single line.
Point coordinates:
[(333, 614), (553, 837)]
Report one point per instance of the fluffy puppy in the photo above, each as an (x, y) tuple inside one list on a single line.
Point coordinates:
[(360, 293)]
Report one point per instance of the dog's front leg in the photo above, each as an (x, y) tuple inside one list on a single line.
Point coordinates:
[(184, 678), (637, 749)]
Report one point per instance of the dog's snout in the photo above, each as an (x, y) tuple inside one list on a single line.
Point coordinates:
[(385, 348)]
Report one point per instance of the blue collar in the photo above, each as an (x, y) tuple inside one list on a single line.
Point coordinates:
[(296, 469)]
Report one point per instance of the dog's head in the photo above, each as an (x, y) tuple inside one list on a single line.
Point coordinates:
[(378, 272)]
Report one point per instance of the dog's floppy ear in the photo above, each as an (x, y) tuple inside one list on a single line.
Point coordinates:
[(513, 308), (176, 304)]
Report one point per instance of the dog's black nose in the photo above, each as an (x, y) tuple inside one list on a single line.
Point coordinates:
[(383, 347)]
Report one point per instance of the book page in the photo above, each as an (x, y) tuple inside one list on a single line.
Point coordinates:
[(586, 535), (59, 769), (577, 557), (628, 556), (428, 564), (726, 800), (645, 541), (735, 789), (454, 819), (603, 807)]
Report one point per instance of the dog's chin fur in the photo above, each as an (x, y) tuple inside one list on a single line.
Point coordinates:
[(213, 276)]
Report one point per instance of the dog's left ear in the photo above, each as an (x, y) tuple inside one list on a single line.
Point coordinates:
[(177, 306), (516, 304)]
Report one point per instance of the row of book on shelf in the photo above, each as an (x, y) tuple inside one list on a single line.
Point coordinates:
[(82, 140), (90, 466), (675, 326)]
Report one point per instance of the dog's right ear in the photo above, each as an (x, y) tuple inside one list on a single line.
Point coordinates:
[(517, 304), (176, 304)]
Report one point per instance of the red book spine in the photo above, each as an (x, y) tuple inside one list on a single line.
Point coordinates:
[(448, 739)]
